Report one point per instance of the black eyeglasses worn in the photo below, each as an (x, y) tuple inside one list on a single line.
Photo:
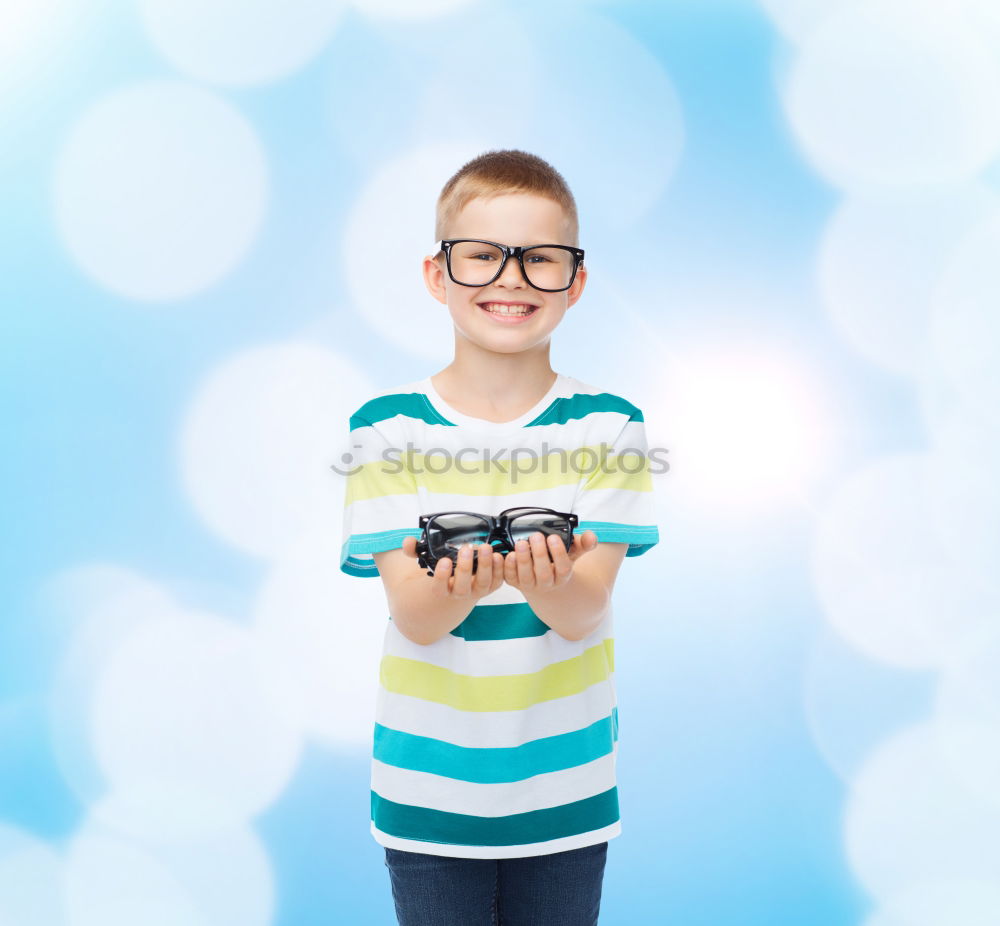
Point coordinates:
[(515, 251), (445, 532)]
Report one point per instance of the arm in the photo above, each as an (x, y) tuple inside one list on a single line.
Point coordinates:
[(424, 608), (570, 594)]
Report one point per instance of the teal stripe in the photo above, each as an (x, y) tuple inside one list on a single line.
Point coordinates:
[(501, 622), (579, 405), (380, 541), (637, 549), (406, 821), (410, 404), (356, 567), (639, 537), (495, 765), (374, 542)]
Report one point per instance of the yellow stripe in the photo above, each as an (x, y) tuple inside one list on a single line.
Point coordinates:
[(636, 482), (370, 481), (472, 475), (498, 692)]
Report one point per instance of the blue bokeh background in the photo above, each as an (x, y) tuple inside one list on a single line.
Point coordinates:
[(753, 688)]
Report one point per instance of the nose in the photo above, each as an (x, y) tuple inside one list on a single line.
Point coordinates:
[(511, 274)]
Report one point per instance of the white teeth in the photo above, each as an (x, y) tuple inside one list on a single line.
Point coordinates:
[(498, 309)]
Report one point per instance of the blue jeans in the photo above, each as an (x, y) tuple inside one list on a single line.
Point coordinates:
[(561, 889)]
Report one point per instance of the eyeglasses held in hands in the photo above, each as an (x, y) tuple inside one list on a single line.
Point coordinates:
[(445, 532)]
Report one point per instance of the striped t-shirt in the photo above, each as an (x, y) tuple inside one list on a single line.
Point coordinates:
[(498, 740)]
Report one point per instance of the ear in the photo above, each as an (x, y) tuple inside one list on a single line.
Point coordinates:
[(434, 278), (576, 290)]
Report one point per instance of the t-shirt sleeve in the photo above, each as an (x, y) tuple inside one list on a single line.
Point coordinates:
[(381, 504), (615, 499)]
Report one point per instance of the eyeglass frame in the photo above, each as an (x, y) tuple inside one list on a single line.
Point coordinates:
[(511, 250), (499, 529)]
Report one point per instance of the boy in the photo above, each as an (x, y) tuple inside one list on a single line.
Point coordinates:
[(493, 774)]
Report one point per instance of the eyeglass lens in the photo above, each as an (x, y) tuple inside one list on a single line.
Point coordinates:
[(524, 525), (447, 533), (475, 264)]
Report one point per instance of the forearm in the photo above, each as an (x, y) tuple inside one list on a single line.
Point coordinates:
[(422, 616), (574, 609)]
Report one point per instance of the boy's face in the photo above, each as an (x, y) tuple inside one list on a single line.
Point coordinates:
[(512, 219)]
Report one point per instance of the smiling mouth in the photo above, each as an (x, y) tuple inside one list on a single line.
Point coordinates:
[(498, 308)]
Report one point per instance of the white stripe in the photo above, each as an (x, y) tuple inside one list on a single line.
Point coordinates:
[(383, 513), (422, 789), (619, 506), (486, 658), (540, 439), (484, 729), (632, 436), (563, 844), (505, 594)]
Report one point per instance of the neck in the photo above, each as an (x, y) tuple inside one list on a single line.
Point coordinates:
[(500, 381)]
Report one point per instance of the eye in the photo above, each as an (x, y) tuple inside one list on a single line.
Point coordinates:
[(487, 256)]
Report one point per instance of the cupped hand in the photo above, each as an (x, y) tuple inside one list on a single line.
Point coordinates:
[(452, 581), (539, 564)]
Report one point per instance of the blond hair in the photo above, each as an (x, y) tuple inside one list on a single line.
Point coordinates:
[(494, 173)]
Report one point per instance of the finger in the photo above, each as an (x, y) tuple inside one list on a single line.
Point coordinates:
[(510, 569), (522, 557), (483, 580), (442, 575), (561, 563), (541, 563), (498, 571), (462, 583), (582, 543), (410, 546)]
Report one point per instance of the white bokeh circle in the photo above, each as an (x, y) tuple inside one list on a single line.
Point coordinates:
[(851, 702), (220, 878), (33, 35), (642, 139), (407, 11), (259, 438), (30, 880), (435, 79), (112, 882), (96, 606), (964, 327), (591, 90), (886, 578), (749, 425), (967, 715), (943, 902), (880, 260), (429, 86), (385, 282), (965, 499), (895, 92), (325, 628), (797, 18), (984, 15), (185, 725), (159, 190), (909, 820), (237, 43)]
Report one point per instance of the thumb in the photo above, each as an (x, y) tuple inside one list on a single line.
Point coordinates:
[(582, 543), (410, 546)]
